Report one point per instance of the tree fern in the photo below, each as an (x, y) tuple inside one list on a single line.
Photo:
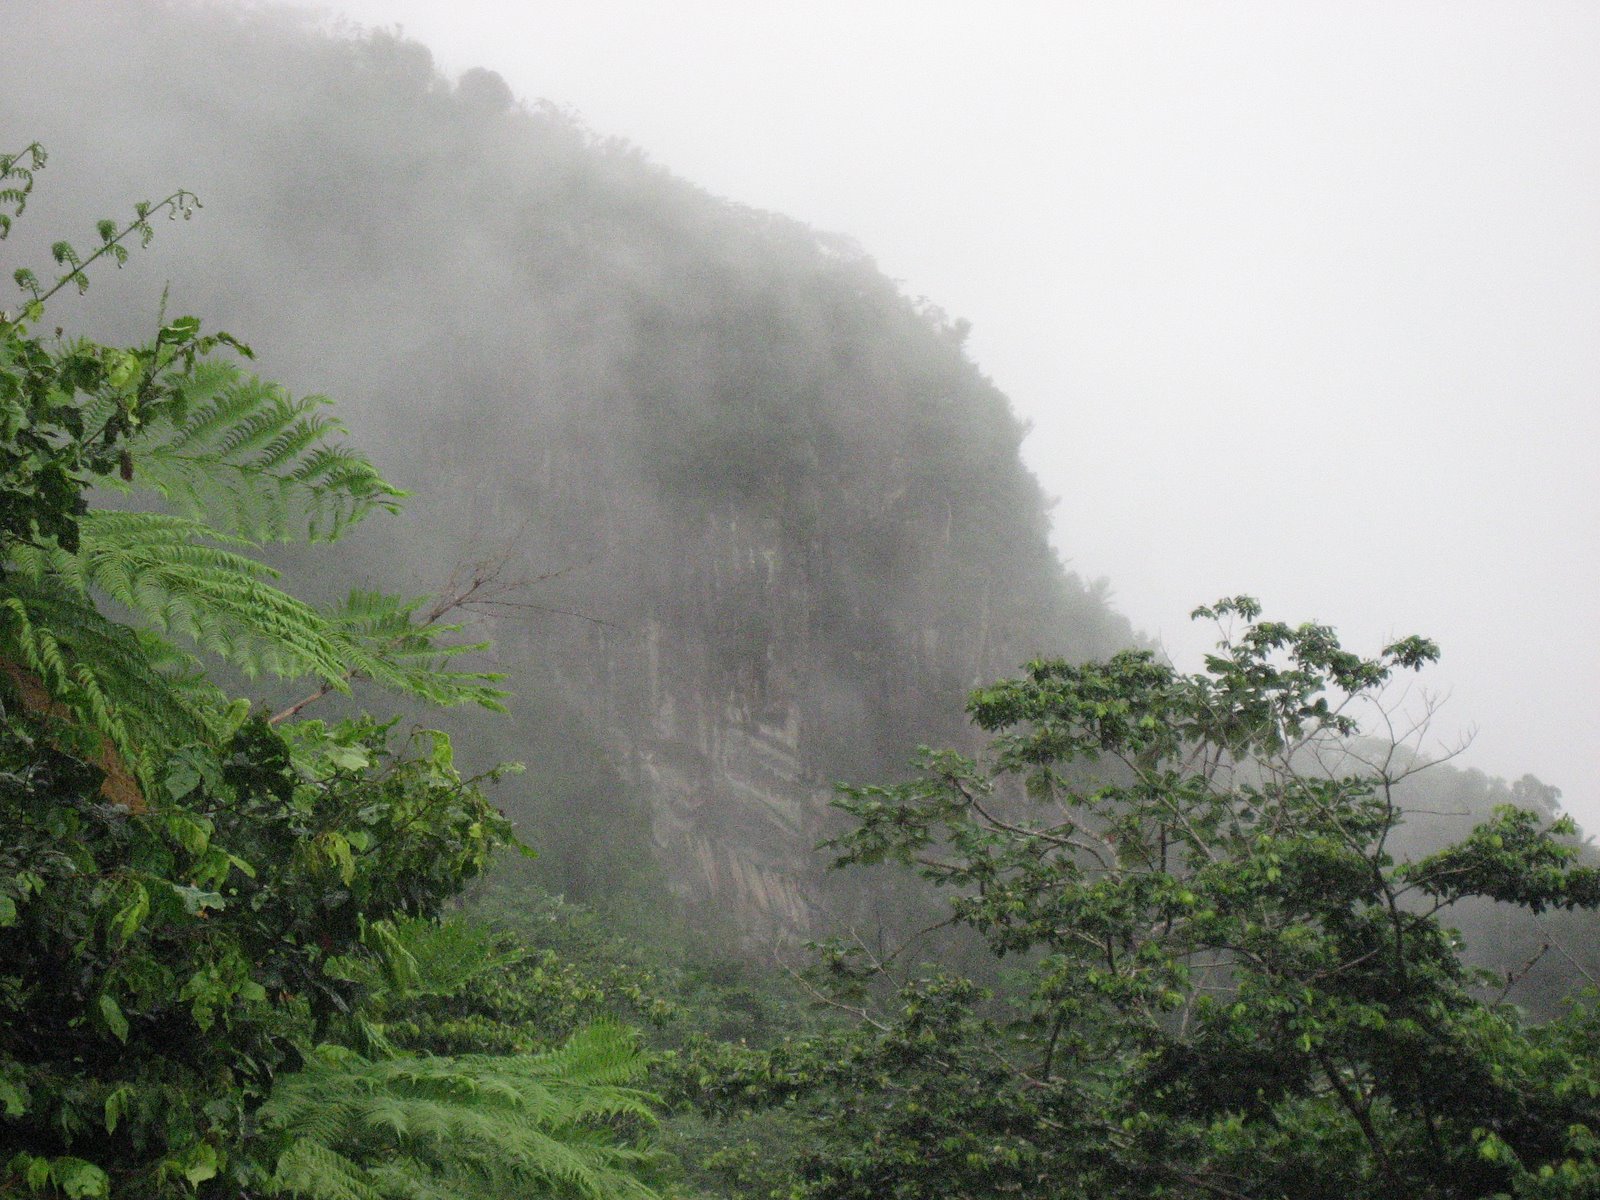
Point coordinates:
[(134, 689), (187, 579), (469, 1126), (251, 459), (393, 643)]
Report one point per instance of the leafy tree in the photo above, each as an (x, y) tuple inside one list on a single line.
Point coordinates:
[(1225, 984)]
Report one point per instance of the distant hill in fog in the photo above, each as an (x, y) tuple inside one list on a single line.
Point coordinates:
[(775, 517), (791, 505)]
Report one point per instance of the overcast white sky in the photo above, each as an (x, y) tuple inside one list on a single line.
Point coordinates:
[(1302, 299)]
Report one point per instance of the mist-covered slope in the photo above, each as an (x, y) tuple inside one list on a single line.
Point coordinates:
[(787, 511), (774, 520)]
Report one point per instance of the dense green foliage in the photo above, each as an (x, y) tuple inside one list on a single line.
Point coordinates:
[(163, 967), (1226, 984), (495, 1125)]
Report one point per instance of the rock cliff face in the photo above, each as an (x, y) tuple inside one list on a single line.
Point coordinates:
[(720, 751), (730, 801), (775, 518), (709, 715)]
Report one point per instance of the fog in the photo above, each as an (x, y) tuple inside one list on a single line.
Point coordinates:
[(1299, 299)]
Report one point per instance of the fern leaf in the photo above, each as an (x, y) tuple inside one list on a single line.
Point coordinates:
[(383, 642), (173, 572), (130, 688), (247, 456), (474, 1125), (309, 1169)]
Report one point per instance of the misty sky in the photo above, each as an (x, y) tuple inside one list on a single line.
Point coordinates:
[(1302, 299)]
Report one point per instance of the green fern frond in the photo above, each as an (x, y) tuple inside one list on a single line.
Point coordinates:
[(448, 955), (181, 577), (171, 571), (415, 1180), (308, 1168), (188, 580), (596, 1054), (130, 687), (250, 458), (474, 1125), (414, 957), (383, 641)]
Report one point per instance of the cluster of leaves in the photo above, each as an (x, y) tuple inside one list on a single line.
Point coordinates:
[(519, 972), (480, 1125), (506, 987), (1224, 985), (201, 908), (163, 967)]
